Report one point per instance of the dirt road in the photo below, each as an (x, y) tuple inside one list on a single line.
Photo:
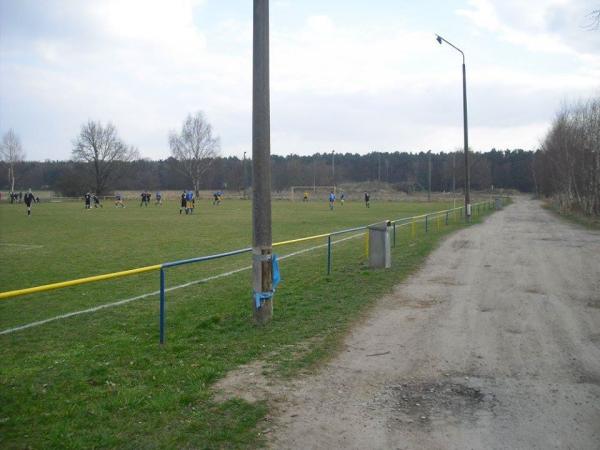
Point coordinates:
[(494, 344)]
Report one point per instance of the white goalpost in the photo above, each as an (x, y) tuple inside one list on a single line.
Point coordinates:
[(297, 192)]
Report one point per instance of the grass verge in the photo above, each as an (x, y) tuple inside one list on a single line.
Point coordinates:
[(589, 222)]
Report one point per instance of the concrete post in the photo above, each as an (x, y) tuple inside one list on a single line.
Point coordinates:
[(262, 263)]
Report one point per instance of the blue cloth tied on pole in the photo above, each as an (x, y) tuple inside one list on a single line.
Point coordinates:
[(275, 272), (259, 297)]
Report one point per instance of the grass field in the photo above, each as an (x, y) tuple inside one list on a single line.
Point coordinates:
[(102, 380)]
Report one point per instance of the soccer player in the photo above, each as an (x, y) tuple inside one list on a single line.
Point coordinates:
[(29, 199), (342, 197), (216, 199), (119, 201), (145, 199), (189, 202), (183, 202), (96, 201), (331, 200), (367, 200), (305, 198), (88, 198), (158, 198)]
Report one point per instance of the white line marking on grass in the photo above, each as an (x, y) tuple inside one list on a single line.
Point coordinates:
[(27, 246), (173, 288)]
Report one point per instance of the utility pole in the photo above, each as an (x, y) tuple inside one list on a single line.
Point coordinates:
[(465, 130), (379, 167), (262, 262), (429, 176), (466, 138)]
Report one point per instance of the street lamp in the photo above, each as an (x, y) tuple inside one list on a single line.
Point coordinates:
[(465, 126)]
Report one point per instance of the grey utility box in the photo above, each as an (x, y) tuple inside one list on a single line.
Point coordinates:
[(380, 255), (498, 202)]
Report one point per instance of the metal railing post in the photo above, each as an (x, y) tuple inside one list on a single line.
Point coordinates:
[(426, 223), (394, 225), (162, 306), (329, 255)]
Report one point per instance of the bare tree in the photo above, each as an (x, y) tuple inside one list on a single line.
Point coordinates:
[(568, 165), (11, 152), (102, 149), (194, 147)]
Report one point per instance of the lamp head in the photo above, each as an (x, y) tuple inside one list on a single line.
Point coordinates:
[(439, 39)]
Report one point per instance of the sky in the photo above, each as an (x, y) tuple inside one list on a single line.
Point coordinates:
[(346, 75)]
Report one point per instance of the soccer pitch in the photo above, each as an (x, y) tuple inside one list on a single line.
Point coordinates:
[(101, 379)]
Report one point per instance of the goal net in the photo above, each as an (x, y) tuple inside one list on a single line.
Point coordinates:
[(312, 192)]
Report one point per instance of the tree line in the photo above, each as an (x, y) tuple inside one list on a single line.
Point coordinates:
[(101, 162), (409, 172), (567, 167)]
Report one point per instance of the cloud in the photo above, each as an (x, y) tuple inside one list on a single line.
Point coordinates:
[(547, 26), (335, 82)]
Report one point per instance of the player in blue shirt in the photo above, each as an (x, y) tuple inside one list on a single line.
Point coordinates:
[(331, 200), (189, 202)]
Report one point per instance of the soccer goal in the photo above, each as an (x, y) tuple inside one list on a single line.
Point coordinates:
[(297, 192)]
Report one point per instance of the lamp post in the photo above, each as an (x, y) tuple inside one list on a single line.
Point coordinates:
[(466, 129)]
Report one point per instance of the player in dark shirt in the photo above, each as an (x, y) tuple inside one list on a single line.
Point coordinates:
[(183, 203), (29, 199), (88, 198), (144, 199)]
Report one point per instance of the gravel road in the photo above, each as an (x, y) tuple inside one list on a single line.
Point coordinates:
[(493, 344)]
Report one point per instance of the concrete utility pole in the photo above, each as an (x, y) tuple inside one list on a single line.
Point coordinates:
[(465, 130), (429, 176), (466, 138), (262, 262)]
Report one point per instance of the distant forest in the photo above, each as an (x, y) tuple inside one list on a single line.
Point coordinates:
[(509, 169)]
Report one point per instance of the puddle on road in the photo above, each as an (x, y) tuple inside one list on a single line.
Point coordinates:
[(422, 404)]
